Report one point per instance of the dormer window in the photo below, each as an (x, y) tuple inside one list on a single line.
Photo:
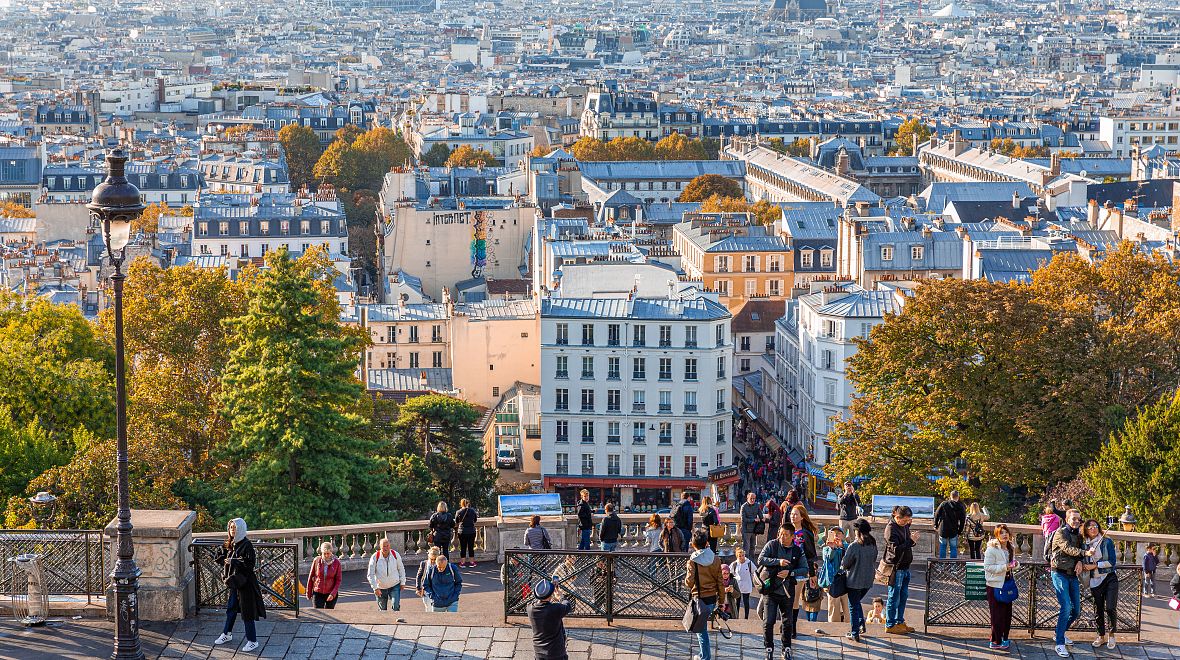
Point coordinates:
[(917, 252), (886, 253)]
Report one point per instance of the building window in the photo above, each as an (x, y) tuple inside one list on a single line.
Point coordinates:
[(325, 227), (745, 343), (563, 431), (665, 368), (665, 401), (828, 360), (614, 400), (690, 401), (825, 258), (638, 401), (690, 466), (244, 228), (690, 336), (612, 368), (665, 433), (774, 264), (721, 432), (563, 464), (751, 264), (391, 337), (639, 335), (587, 463), (690, 433), (436, 360), (612, 334), (720, 400), (639, 372), (436, 334), (886, 253), (690, 369), (744, 365), (563, 334), (284, 227), (222, 228), (665, 336), (721, 366), (414, 360), (722, 287), (612, 464), (830, 390), (774, 287), (587, 366), (916, 252), (587, 334), (613, 435), (587, 400), (805, 258), (665, 466), (587, 431), (562, 399), (563, 364), (413, 334), (720, 335), (721, 264), (639, 465)]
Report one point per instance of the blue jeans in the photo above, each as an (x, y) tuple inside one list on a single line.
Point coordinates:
[(609, 547), (856, 613), (231, 614), (952, 543), (687, 534), (899, 593), (394, 592), (1069, 599), (703, 637), (453, 607), (584, 540)]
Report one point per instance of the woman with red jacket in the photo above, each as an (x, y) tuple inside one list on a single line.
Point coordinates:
[(323, 583)]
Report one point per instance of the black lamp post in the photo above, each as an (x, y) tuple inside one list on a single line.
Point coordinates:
[(114, 205)]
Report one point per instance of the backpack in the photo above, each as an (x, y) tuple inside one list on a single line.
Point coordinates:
[(976, 528), (1047, 551)]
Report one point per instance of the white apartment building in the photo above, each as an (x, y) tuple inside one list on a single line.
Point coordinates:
[(635, 396), (248, 226), (815, 337), (1122, 133)]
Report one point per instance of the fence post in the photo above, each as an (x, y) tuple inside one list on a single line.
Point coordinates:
[(1032, 601), (610, 588)]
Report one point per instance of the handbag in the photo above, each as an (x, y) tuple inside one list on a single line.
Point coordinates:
[(716, 531), (1174, 603), (1009, 592), (694, 619), (885, 574), (839, 585), (760, 527), (812, 594), (545, 543)]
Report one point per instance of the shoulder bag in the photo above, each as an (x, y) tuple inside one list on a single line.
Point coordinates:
[(886, 570), (545, 542), (1009, 592), (694, 619), (839, 585), (716, 529)]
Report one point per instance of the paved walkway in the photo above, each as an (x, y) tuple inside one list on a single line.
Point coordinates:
[(303, 640)]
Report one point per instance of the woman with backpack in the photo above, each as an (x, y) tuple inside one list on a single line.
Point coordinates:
[(442, 529), (466, 518), (976, 516), (711, 520), (859, 565)]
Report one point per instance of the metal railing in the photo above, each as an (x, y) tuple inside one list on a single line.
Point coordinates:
[(74, 561), (1035, 609), (276, 567), (610, 585)]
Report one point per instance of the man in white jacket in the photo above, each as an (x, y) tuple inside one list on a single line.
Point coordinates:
[(387, 576)]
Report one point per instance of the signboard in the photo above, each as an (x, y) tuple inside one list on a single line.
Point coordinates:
[(974, 584), (724, 474), (923, 507), (538, 504)]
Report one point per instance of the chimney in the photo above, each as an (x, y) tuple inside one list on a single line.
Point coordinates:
[(1055, 164), (862, 209), (843, 162), (1175, 207), (1130, 206), (958, 144), (1015, 199)]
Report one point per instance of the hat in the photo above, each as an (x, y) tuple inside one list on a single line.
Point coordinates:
[(543, 588)]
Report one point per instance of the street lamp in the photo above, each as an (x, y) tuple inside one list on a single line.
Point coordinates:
[(113, 206), (43, 506), (1127, 520)]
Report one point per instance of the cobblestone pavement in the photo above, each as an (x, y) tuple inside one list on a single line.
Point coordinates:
[(193, 639)]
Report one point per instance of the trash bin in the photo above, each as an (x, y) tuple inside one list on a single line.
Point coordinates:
[(30, 602)]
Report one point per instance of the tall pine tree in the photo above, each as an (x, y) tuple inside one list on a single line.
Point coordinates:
[(288, 390)]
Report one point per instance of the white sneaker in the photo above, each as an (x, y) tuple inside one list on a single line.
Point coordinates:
[(225, 637), (1068, 642), (1110, 643), (1061, 651), (249, 646), (1098, 641)]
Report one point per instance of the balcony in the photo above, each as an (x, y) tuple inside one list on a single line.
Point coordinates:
[(587, 408), (587, 375), (665, 343), (638, 407), (690, 408), (666, 408), (665, 439), (562, 438), (563, 375)]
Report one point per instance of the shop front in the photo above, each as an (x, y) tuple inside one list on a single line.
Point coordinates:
[(725, 483), (631, 494)]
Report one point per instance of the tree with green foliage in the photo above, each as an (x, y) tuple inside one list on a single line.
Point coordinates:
[(709, 185), (800, 147), (1140, 467), (465, 156), (906, 133), (289, 391), (25, 453), (347, 134), (437, 155), (57, 370), (438, 429), (338, 165), (301, 147)]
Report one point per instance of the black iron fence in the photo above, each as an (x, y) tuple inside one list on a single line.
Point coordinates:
[(947, 603), (73, 561), (610, 585), (277, 569)]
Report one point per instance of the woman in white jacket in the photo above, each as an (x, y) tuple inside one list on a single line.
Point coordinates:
[(999, 560)]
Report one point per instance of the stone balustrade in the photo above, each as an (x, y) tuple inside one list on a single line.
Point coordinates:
[(356, 543)]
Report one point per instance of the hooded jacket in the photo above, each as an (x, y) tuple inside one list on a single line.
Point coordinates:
[(238, 562), (703, 574)]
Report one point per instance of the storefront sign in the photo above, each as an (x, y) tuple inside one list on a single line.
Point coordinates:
[(724, 474)]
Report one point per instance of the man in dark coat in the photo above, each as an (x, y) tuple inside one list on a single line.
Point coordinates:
[(949, 519), (237, 559)]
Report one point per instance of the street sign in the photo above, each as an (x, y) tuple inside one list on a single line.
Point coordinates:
[(975, 584)]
